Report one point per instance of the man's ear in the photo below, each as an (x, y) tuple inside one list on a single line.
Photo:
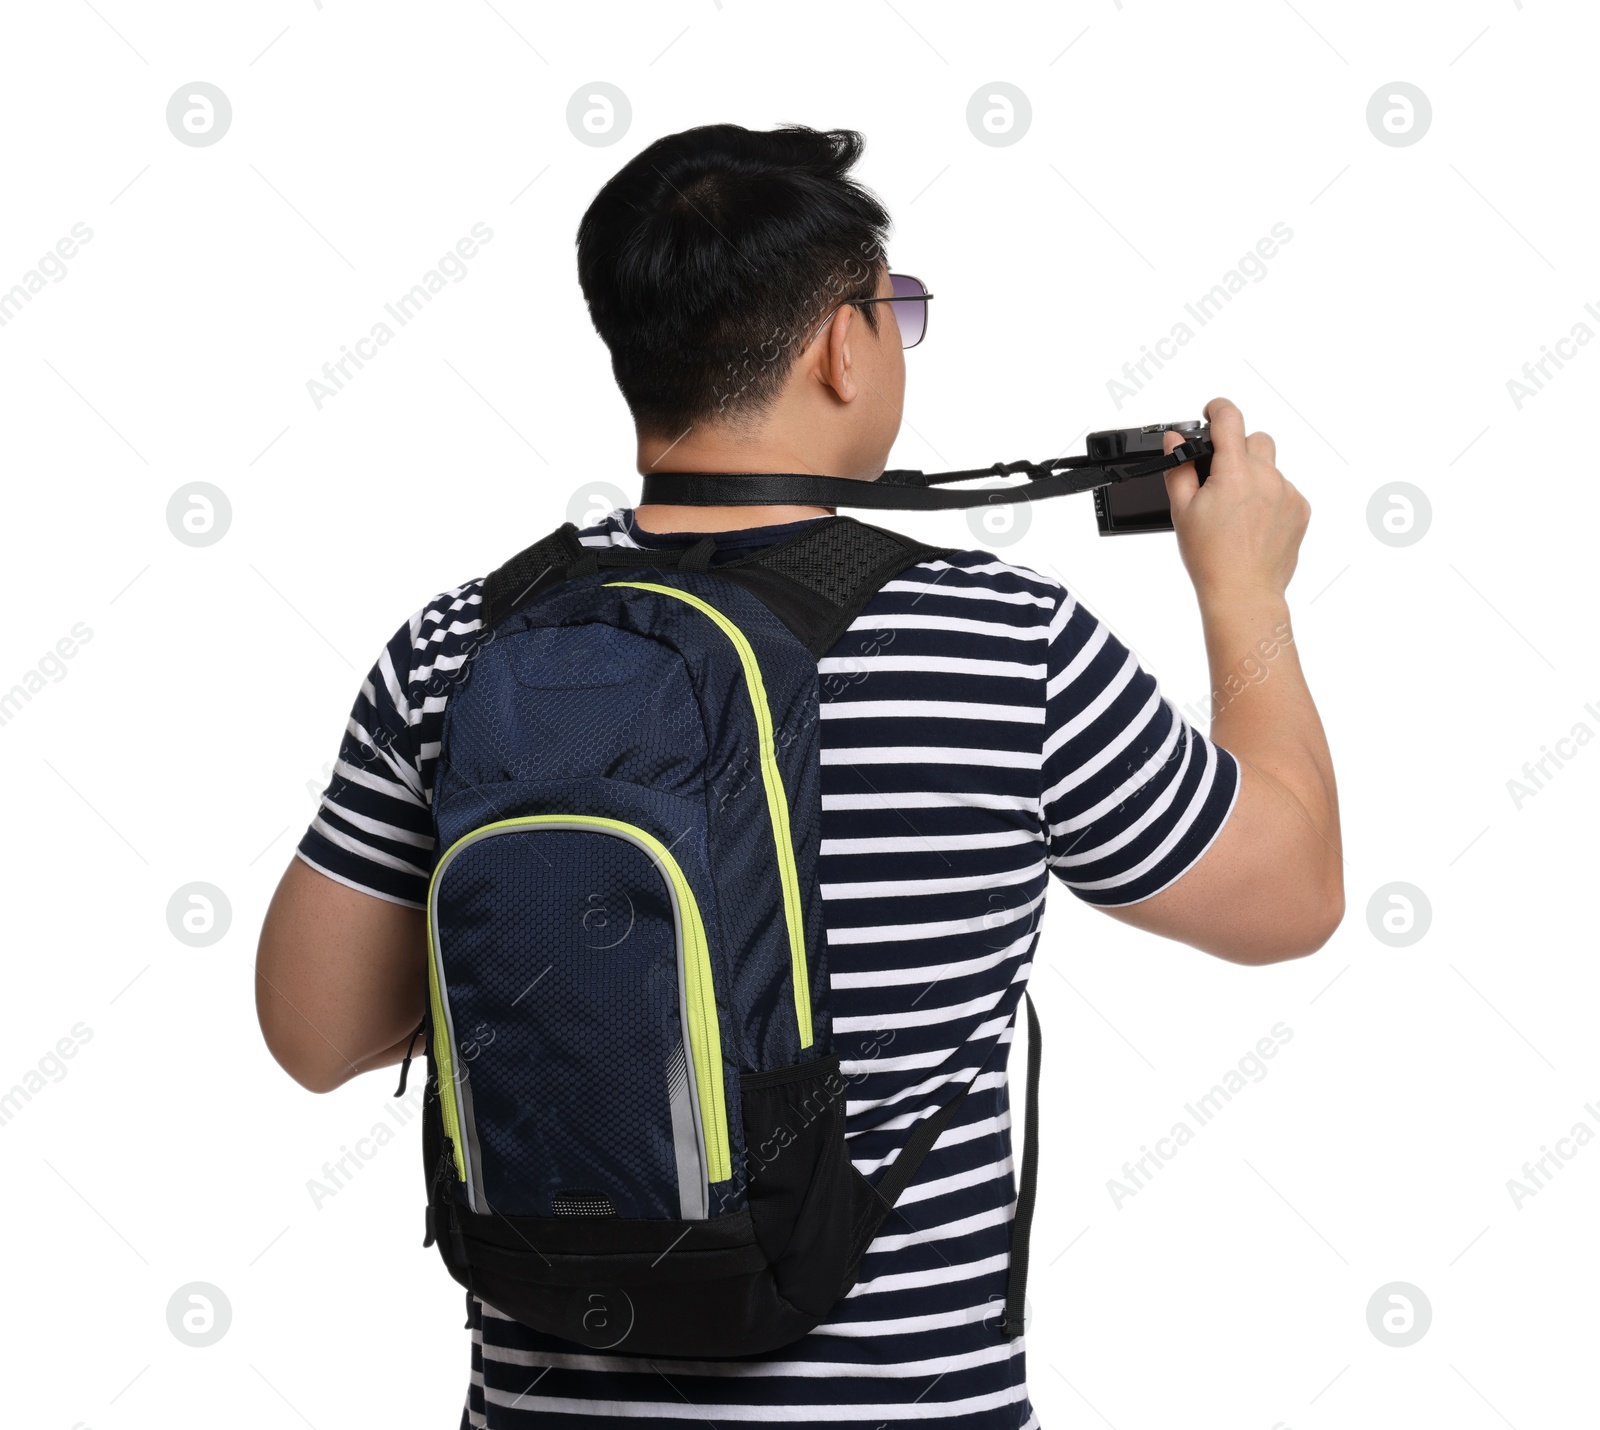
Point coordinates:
[(836, 361)]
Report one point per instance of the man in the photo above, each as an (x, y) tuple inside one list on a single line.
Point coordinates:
[(981, 729)]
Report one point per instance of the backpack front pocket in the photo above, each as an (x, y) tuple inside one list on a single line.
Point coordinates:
[(576, 1033)]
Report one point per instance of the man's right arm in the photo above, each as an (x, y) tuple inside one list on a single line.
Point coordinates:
[(1271, 886)]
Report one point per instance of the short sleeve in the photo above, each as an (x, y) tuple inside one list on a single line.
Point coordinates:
[(374, 828), (1133, 794)]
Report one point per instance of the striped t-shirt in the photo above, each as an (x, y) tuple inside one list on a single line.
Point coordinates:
[(980, 729)]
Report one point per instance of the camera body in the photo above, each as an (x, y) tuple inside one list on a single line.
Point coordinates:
[(1140, 503)]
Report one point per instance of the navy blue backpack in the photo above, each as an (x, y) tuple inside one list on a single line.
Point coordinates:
[(634, 1129)]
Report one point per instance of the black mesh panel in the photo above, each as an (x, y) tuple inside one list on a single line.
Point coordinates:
[(506, 588), (834, 560)]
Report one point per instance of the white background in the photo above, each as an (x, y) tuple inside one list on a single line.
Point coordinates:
[(187, 737)]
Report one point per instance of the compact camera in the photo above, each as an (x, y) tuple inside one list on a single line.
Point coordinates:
[(1139, 503)]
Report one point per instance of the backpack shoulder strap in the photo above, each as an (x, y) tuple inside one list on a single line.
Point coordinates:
[(818, 581), (1014, 1319), (905, 1167), (531, 570)]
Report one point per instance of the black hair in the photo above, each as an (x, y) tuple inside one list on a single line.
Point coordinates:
[(710, 259)]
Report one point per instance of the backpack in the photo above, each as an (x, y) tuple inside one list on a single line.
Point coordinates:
[(633, 1133)]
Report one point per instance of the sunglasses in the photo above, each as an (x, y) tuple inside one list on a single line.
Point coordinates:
[(912, 316)]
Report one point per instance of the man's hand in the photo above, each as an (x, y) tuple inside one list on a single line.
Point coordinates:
[(1240, 532), (1272, 886)]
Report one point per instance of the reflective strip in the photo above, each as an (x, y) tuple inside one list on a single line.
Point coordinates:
[(699, 998), (443, 1047), (688, 1146), (777, 800)]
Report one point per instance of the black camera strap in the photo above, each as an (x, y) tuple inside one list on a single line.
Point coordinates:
[(903, 490)]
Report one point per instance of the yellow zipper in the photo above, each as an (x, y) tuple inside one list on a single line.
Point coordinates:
[(777, 800), (700, 998)]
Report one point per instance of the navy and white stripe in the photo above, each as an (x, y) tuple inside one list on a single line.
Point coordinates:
[(980, 730)]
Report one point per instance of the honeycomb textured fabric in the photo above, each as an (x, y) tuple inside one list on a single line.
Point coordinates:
[(575, 931), (575, 710)]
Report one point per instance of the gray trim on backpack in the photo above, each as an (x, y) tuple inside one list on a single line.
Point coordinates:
[(469, 1129), (688, 1134), (469, 1151), (693, 1193)]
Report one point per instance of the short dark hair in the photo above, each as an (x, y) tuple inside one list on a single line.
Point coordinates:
[(710, 258)]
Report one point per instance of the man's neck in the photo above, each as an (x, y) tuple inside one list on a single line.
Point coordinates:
[(705, 450)]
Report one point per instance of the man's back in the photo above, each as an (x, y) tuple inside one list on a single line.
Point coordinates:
[(979, 728)]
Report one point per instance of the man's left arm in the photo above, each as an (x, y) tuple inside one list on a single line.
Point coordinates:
[(341, 978), (341, 969)]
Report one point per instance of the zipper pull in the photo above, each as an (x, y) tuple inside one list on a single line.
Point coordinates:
[(443, 1174), (405, 1063)]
